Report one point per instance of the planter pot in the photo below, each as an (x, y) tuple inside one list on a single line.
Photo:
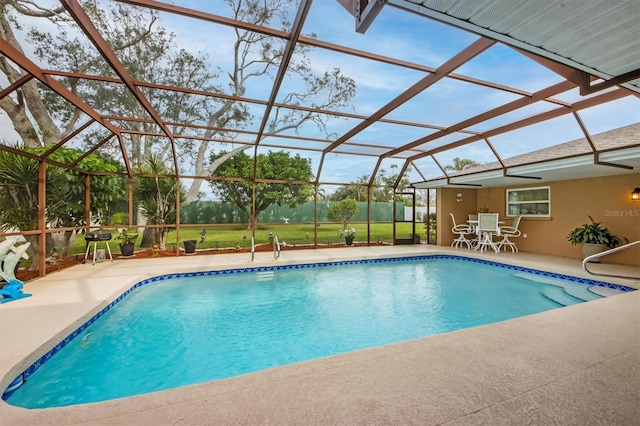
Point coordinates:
[(127, 249), (189, 246), (349, 240), (590, 249)]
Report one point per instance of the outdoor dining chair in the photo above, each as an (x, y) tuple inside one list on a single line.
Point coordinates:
[(473, 222), (461, 230), (510, 232), (487, 227)]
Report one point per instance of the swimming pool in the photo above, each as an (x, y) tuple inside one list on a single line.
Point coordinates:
[(436, 294)]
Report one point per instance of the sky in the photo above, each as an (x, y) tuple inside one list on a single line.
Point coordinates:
[(415, 39)]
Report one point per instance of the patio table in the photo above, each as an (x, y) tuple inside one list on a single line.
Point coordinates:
[(483, 236)]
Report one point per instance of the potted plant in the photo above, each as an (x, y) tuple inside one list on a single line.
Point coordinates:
[(349, 234), (127, 242), (343, 211), (593, 238), (189, 246)]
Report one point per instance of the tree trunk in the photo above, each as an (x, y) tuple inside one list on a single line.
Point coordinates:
[(35, 258), (152, 236), (28, 96), (20, 120), (50, 132), (65, 245), (194, 188), (50, 244), (148, 238), (159, 238), (253, 219)]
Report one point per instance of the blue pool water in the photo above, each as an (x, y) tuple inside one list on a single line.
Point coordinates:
[(184, 330)]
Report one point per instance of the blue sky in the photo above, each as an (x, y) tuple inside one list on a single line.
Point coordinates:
[(405, 36)]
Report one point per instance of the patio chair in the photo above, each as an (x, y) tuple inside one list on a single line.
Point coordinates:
[(487, 228), (510, 232), (460, 230), (473, 223)]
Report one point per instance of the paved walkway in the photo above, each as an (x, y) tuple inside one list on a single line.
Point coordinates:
[(578, 365)]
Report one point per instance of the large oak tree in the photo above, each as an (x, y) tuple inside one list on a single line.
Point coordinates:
[(277, 166), (150, 53)]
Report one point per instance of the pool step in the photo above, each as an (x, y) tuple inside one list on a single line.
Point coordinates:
[(578, 291), (558, 295), (264, 276), (604, 291)]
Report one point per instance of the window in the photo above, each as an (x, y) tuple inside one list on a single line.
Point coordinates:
[(529, 201)]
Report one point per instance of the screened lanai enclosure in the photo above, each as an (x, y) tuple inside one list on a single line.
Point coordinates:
[(218, 121)]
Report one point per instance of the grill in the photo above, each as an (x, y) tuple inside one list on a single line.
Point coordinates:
[(98, 236), (95, 238)]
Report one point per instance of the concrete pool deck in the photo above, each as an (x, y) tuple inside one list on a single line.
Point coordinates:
[(576, 365)]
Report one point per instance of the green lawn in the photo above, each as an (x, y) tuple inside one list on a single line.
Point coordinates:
[(297, 234)]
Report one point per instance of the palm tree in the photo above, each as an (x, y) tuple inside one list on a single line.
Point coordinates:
[(460, 164), (157, 200)]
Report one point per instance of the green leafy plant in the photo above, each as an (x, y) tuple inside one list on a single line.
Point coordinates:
[(65, 192), (593, 233), (343, 211), (348, 233), (126, 237), (119, 219)]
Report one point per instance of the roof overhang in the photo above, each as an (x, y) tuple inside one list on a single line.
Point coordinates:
[(577, 167), (598, 38)]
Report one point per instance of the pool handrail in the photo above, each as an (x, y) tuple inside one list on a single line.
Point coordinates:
[(604, 253), (276, 248)]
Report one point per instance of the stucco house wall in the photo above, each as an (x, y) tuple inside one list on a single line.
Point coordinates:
[(606, 199)]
